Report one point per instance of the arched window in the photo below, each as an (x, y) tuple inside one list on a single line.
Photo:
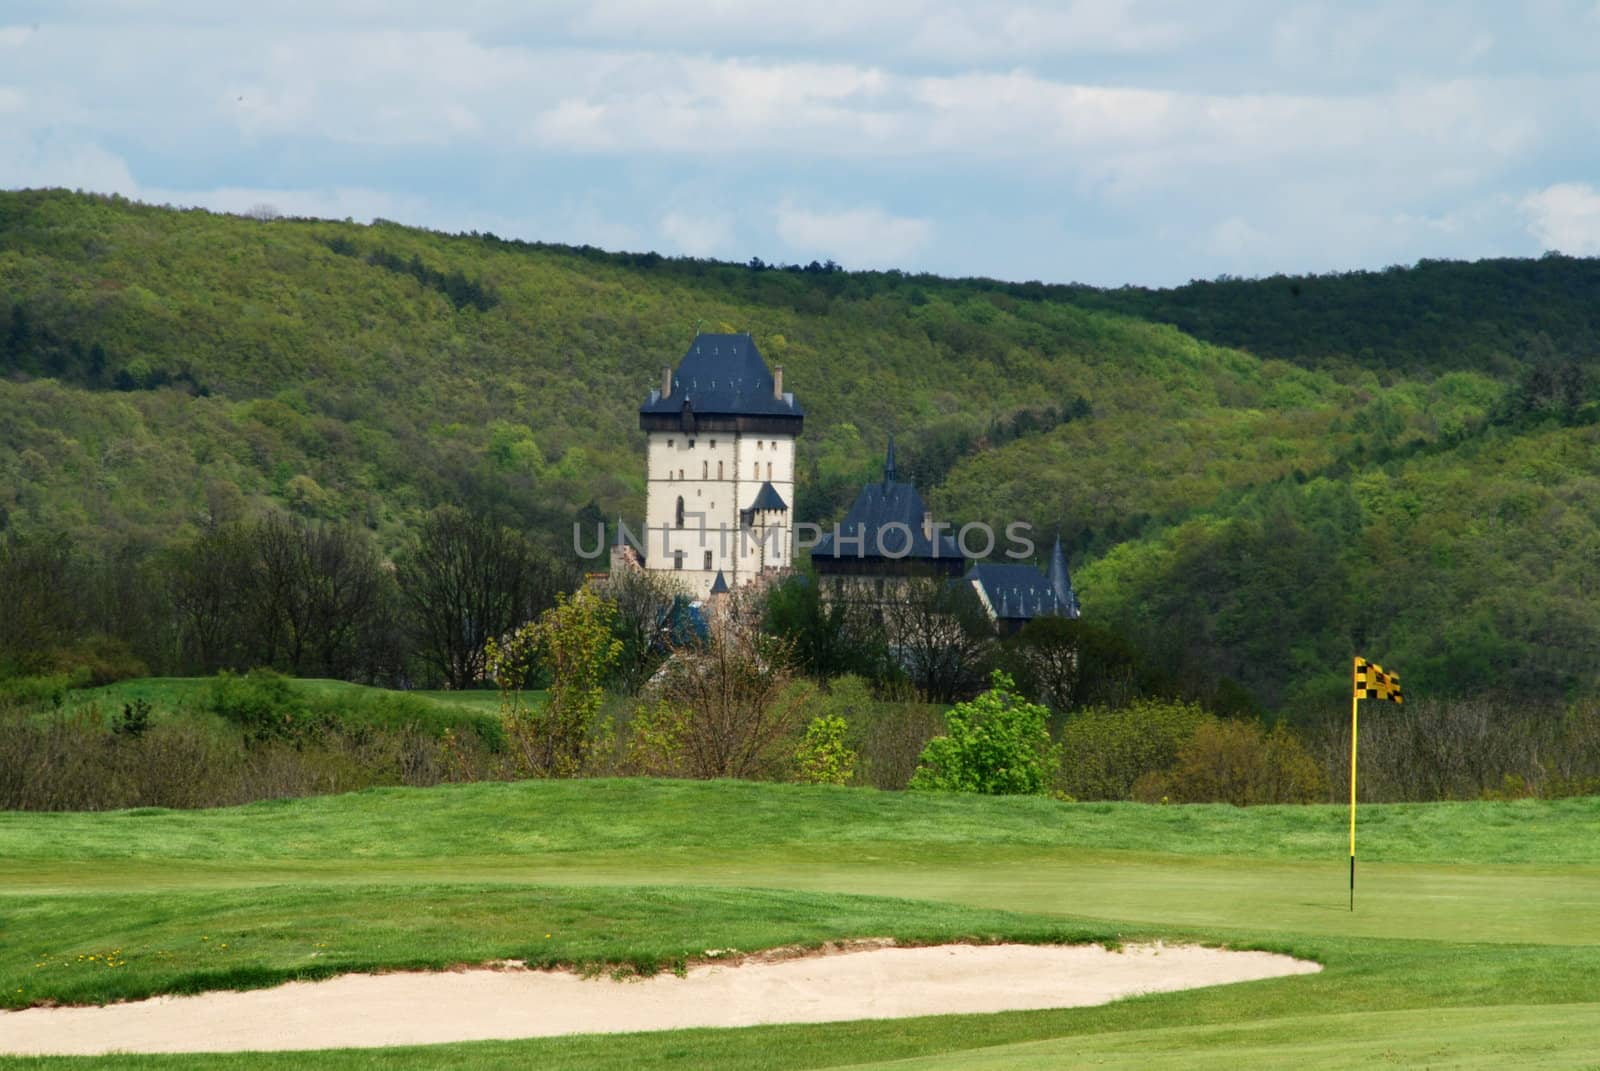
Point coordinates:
[(755, 470), (680, 511), (769, 470), (719, 470), (705, 470)]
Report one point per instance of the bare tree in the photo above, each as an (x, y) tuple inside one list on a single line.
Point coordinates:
[(939, 633), (731, 695), (644, 622), (210, 583), (464, 581), (318, 588)]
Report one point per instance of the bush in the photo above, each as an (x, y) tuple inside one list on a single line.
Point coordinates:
[(1237, 762), (1106, 752), (824, 756), (263, 703), (997, 744)]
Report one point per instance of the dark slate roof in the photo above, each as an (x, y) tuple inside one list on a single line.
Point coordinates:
[(719, 586), (1061, 580), (875, 508), (1018, 592), (768, 498), (723, 375)]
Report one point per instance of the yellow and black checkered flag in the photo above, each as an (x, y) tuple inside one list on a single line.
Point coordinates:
[(1373, 683)]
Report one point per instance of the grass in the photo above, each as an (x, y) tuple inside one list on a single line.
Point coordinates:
[(1472, 943), (350, 704)]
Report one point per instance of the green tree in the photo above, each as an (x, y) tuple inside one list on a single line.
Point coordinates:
[(574, 642), (997, 744)]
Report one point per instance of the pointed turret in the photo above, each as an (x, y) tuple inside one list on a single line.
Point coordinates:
[(719, 586), (889, 474), (1061, 581)]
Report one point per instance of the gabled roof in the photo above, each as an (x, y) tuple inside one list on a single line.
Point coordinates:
[(768, 498), (1018, 592), (875, 519), (722, 375)]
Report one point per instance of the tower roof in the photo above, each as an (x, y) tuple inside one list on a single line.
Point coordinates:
[(880, 518), (768, 498), (719, 586), (1061, 581), (723, 375)]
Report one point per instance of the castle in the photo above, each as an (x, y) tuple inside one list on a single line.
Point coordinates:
[(720, 467), (721, 480)]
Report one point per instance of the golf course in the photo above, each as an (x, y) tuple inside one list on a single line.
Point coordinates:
[(1472, 942)]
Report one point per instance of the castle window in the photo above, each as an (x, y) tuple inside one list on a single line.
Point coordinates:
[(691, 444), (705, 470), (669, 442), (713, 444), (760, 444), (719, 470), (680, 474), (677, 559), (680, 512), (769, 470), (708, 561), (755, 470)]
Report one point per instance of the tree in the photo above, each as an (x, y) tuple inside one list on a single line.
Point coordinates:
[(997, 744), (829, 638), (319, 588), (464, 580), (941, 635), (573, 641), (648, 608), (732, 696), (209, 581), (40, 580)]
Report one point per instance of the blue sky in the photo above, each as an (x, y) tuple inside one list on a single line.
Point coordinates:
[(1108, 143)]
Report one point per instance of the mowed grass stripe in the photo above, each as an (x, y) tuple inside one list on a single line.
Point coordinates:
[(1564, 1036), (524, 818)]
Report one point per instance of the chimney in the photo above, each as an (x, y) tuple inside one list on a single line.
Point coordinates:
[(777, 382), (666, 382)]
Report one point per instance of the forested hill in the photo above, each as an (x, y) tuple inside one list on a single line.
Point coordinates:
[(1494, 315), (1406, 465)]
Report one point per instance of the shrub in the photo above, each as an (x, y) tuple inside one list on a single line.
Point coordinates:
[(573, 641), (265, 704), (1108, 751), (997, 743), (1236, 761), (824, 756)]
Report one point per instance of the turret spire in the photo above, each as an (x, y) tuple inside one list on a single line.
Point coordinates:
[(889, 474), (1061, 581)]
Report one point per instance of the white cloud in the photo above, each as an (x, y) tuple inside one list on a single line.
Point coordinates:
[(14, 36), (856, 238), (698, 235), (1565, 217)]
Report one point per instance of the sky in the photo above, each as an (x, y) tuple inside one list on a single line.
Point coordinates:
[(1111, 143)]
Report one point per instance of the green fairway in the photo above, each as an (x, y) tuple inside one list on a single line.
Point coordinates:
[(1491, 908)]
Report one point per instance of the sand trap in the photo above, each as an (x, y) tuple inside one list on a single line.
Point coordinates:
[(368, 1010)]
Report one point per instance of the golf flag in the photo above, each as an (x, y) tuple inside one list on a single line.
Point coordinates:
[(1373, 683), (1369, 681)]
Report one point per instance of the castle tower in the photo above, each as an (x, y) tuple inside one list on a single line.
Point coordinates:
[(720, 466)]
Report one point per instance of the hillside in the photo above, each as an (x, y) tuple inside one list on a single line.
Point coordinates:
[(1416, 485)]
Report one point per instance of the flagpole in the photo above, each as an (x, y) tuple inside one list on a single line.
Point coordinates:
[(1355, 700)]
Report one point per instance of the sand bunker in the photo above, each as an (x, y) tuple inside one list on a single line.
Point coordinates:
[(368, 1010)]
